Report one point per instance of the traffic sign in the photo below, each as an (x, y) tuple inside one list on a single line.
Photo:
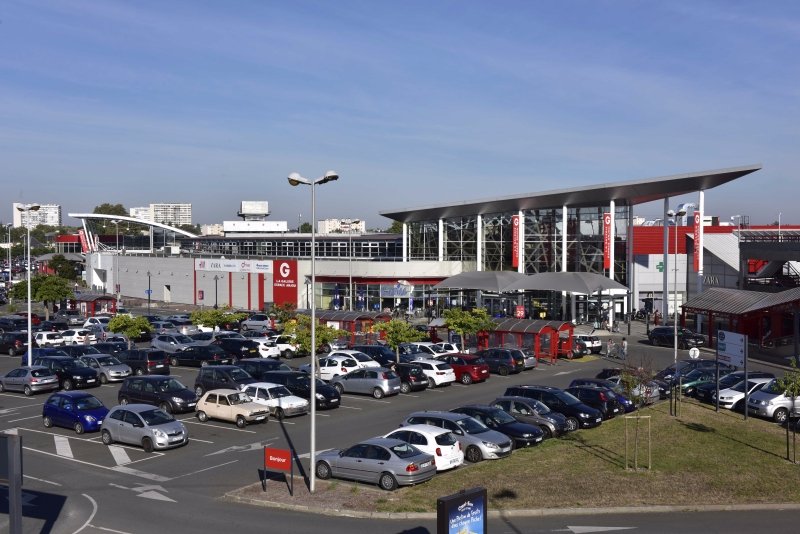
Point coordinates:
[(694, 353), (731, 347), (148, 291)]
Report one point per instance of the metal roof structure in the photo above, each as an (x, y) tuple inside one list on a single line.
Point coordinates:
[(529, 326), (726, 301), (347, 316), (625, 193)]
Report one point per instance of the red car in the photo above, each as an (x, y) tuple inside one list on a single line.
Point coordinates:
[(469, 368), (35, 319)]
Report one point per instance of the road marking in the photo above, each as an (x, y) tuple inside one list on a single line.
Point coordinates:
[(109, 530), (22, 398), (42, 480), (565, 372), (119, 454), (62, 447), (202, 440), (137, 473), (94, 512), (244, 448), (586, 530), (435, 390), (308, 454), (368, 399), (206, 469), (23, 418), (350, 407), (235, 429)]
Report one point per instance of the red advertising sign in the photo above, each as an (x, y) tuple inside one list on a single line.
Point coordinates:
[(515, 240), (606, 241), (278, 459), (84, 242), (519, 312), (284, 282), (200, 294), (697, 225)]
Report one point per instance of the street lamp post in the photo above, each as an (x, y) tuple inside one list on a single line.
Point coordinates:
[(8, 228), (675, 216), (149, 292), (216, 294), (350, 261), (116, 260), (294, 180), (28, 208)]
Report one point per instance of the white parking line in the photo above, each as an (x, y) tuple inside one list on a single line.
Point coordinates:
[(62, 446), (21, 398), (349, 407), (236, 429), (201, 440), (23, 418), (42, 480), (119, 454), (367, 399), (206, 469)]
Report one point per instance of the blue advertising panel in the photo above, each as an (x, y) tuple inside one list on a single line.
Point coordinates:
[(462, 513)]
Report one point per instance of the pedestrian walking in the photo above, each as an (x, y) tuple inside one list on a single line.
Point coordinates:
[(624, 348)]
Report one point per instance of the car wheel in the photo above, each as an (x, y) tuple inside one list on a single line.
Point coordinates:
[(147, 445), (12, 352), (27, 390), (165, 407), (473, 454), (78, 427), (204, 363), (547, 432), (378, 393), (339, 387), (105, 435), (323, 471), (244, 328), (68, 385), (572, 424), (286, 354), (47, 422), (431, 383), (123, 400), (279, 415), (198, 390), (738, 406), (2, 387), (405, 387), (387, 482), (503, 370), (173, 362), (781, 415), (241, 422), (139, 371), (202, 416), (466, 379)]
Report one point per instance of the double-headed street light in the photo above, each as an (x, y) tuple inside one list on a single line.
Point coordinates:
[(675, 216), (28, 208), (295, 179)]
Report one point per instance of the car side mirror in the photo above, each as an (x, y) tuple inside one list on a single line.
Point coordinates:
[(458, 432)]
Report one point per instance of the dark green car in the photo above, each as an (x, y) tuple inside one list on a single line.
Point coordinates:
[(697, 377)]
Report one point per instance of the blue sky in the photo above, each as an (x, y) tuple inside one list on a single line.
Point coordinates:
[(413, 103)]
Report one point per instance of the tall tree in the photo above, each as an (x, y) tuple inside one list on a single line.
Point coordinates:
[(105, 227), (131, 327), (44, 289), (63, 267), (395, 228), (305, 228), (215, 318), (284, 312)]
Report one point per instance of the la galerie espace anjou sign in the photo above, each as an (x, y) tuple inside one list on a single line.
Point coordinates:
[(234, 266)]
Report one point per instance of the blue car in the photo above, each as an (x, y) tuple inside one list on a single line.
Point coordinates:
[(627, 404), (42, 351), (78, 410)]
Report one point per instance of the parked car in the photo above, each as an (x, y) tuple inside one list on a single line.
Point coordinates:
[(109, 368), (521, 434), (287, 345), (411, 377), (13, 323), (29, 380), (221, 377), (699, 376), (145, 361), (238, 347), (332, 366), (172, 343), (232, 406), (598, 397), (382, 354), (438, 373), (477, 440), (200, 356), (51, 326), (772, 402), (299, 383), (76, 351), (257, 321), (578, 414), (376, 381), (78, 336), (362, 359), (35, 319), (705, 392), (257, 367), (579, 349), (640, 391), (280, 401), (670, 376), (732, 398), (99, 320), (166, 392), (389, 463), (468, 368), (448, 348), (145, 425), (164, 327), (433, 440), (71, 373), (665, 336), (593, 343), (503, 361), (266, 347), (533, 412), (430, 349), (111, 347), (627, 404), (13, 343), (78, 410), (71, 317), (48, 339)]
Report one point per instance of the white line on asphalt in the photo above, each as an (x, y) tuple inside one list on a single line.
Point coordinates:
[(62, 447), (235, 429), (206, 469), (349, 407), (22, 398), (94, 511), (435, 390), (202, 440), (136, 472), (308, 454), (42, 480), (370, 399), (109, 530), (23, 418), (119, 454)]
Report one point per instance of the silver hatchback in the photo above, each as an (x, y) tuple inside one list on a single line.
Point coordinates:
[(108, 368), (145, 425), (29, 380), (477, 440), (376, 381)]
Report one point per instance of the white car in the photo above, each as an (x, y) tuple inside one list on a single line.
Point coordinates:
[(438, 373), (448, 348), (78, 336), (363, 360), (733, 397), (434, 440), (277, 398), (92, 321), (333, 366), (592, 343), (48, 339), (431, 349), (286, 345), (266, 347)]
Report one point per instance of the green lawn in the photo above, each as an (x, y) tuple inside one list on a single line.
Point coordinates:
[(701, 457)]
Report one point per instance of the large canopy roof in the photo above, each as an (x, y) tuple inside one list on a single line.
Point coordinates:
[(728, 301), (625, 193)]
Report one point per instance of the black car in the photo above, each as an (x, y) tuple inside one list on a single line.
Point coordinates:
[(238, 348), (258, 367), (665, 336), (299, 383), (71, 373), (412, 377), (165, 392), (578, 414), (145, 361), (522, 434), (200, 356), (13, 343), (13, 324), (380, 353), (76, 351), (51, 326), (503, 361), (533, 412), (111, 347), (684, 367), (706, 392), (599, 397), (221, 377)]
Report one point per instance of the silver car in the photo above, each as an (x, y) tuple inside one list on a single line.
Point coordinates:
[(145, 425), (477, 440), (376, 381), (383, 461), (108, 368), (29, 380), (172, 342)]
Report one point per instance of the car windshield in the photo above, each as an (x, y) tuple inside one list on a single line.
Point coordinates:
[(730, 380), (239, 374), (501, 417), (567, 398), (472, 426), (443, 366), (697, 374), (740, 386), (107, 360), (539, 406), (773, 387), (360, 356), (38, 373), (232, 335), (279, 392), (88, 403), (238, 398), (88, 350), (183, 339), (74, 364), (171, 385), (156, 417), (404, 450)]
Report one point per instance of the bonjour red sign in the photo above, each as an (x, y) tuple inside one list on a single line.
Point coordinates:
[(697, 229), (515, 240), (606, 240), (278, 459)]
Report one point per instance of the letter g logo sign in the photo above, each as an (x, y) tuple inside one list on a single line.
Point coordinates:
[(285, 270)]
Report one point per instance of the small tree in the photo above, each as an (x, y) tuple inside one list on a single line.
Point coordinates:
[(468, 322), (131, 327), (63, 267), (284, 312), (790, 383), (212, 318), (397, 332), (300, 328), (52, 289)]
